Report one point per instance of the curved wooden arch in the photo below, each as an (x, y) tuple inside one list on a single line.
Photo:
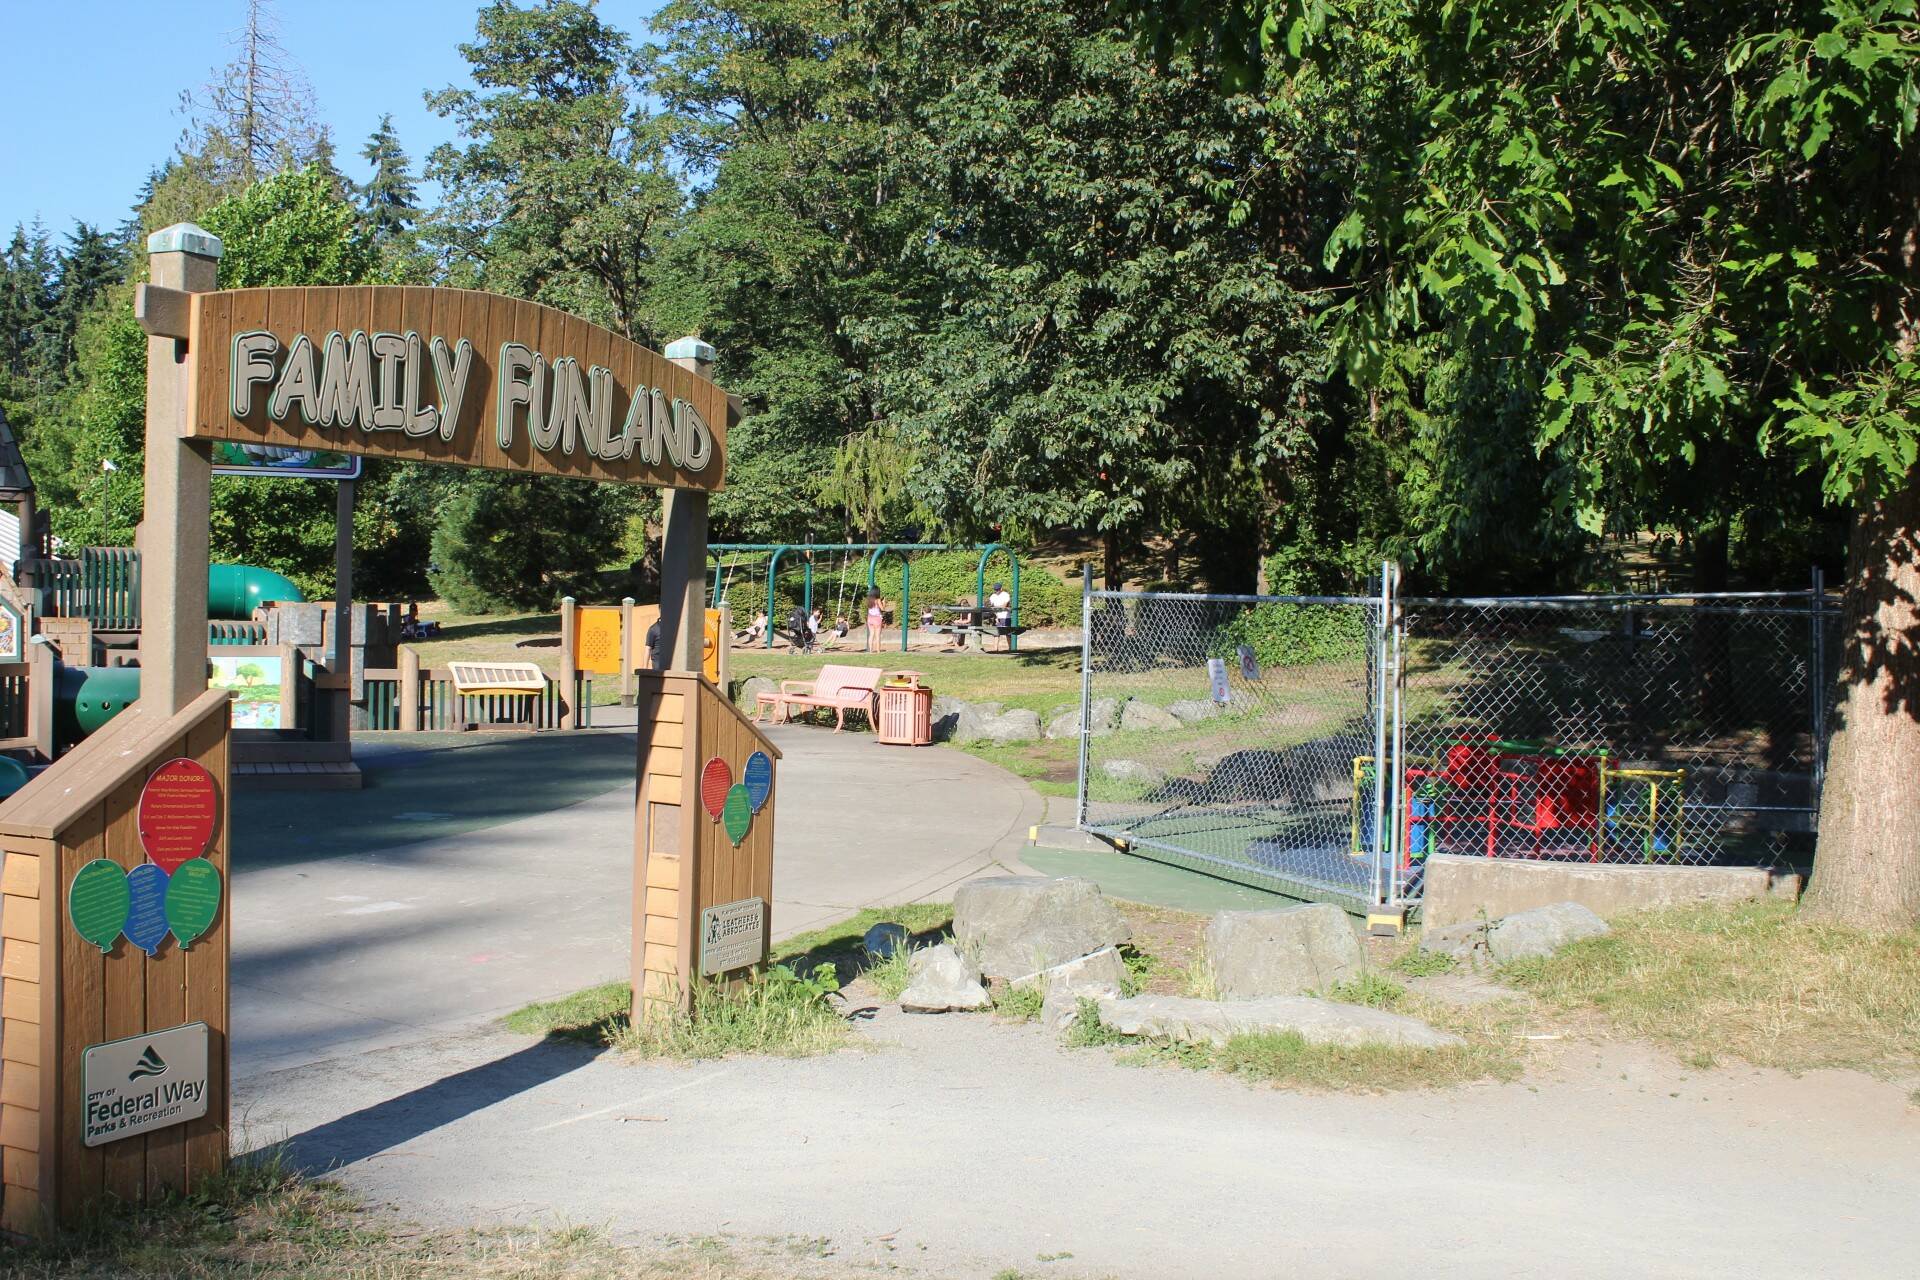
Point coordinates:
[(281, 368)]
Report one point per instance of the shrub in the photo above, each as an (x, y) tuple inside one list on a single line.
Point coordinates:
[(1298, 635)]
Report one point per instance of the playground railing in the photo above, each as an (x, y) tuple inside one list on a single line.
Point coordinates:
[(441, 708), (1243, 736), (102, 585)]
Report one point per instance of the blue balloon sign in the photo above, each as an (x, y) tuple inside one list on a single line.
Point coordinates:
[(146, 923), (758, 776)]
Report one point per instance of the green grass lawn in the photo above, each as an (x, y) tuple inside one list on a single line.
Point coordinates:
[(497, 637)]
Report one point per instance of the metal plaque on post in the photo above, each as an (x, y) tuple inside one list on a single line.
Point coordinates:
[(732, 936), (144, 1082)]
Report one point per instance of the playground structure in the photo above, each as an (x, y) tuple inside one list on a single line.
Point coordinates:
[(1506, 799), (138, 812), (810, 554)]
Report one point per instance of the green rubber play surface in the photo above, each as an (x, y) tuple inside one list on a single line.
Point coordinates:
[(1138, 879)]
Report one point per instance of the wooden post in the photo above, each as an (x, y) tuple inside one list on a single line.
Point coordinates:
[(409, 689), (683, 554), (628, 642), (684, 860), (289, 687), (342, 663), (183, 259), (41, 666), (569, 663), (724, 646)]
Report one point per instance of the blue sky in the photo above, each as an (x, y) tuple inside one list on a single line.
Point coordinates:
[(89, 89)]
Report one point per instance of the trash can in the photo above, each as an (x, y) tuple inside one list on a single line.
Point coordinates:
[(906, 711)]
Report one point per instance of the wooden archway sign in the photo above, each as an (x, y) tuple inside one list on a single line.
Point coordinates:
[(428, 375)]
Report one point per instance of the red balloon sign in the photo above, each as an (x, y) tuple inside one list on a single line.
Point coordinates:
[(715, 780), (177, 811)]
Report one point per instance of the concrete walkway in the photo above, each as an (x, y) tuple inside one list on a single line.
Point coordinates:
[(478, 872), (964, 1145)]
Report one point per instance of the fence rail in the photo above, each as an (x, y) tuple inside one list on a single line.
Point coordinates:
[(102, 585), (442, 708), (1245, 735)]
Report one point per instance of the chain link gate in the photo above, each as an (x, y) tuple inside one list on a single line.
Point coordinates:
[(1228, 734), (1241, 735)]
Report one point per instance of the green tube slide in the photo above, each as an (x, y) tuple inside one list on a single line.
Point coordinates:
[(87, 697), (234, 591)]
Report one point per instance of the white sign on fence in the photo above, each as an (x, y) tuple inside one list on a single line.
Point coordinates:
[(144, 1082)]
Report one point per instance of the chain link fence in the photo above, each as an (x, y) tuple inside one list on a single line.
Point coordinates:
[(1242, 736), (1228, 734)]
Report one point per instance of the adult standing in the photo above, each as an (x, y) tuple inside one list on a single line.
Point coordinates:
[(876, 621), (1002, 605)]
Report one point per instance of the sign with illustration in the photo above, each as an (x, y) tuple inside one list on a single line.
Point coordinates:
[(452, 376), (231, 458), (732, 935), (142, 1083), (255, 681), (13, 632)]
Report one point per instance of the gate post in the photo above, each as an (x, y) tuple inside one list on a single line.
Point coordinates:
[(683, 554), (182, 259)]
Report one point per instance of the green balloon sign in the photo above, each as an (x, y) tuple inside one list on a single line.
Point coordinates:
[(737, 816), (193, 899), (98, 902)]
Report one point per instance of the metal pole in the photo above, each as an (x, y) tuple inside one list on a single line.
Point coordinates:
[(1380, 761), (1397, 840), (1086, 687), (1817, 683)]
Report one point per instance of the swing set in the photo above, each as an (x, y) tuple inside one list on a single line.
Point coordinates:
[(729, 558)]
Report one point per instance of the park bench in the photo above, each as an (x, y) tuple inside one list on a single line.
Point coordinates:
[(837, 689)]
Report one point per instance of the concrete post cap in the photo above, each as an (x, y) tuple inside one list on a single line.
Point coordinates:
[(185, 237), (691, 349)]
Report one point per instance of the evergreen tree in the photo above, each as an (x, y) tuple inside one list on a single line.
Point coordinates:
[(387, 199)]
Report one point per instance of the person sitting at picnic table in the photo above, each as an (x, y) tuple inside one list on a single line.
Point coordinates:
[(1002, 605), (962, 619), (876, 621)]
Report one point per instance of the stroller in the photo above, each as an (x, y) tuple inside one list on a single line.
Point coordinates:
[(800, 631)]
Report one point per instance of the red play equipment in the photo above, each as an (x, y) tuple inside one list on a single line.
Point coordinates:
[(1496, 796)]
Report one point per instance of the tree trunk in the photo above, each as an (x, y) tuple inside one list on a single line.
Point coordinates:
[(1866, 868), (1110, 555)]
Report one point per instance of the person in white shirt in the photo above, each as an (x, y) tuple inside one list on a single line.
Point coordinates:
[(1002, 605)]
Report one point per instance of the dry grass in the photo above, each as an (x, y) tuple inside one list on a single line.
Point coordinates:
[(263, 1222), (1752, 982)]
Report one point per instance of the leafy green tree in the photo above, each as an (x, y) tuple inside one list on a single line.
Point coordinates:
[(1688, 238), (561, 188)]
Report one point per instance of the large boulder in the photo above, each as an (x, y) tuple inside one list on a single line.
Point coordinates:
[(1284, 952), (1017, 725), (1145, 717), (942, 982), (1131, 771), (750, 690), (884, 939), (962, 722), (1100, 972), (1541, 931), (1016, 926), (1194, 710), (1217, 1021), (1103, 716)]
